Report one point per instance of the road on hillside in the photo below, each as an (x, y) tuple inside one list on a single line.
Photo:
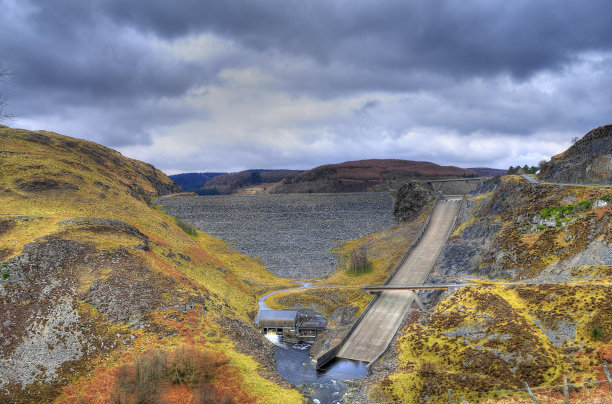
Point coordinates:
[(534, 181), (377, 328)]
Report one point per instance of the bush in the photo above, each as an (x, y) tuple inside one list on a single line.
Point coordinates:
[(565, 210), (5, 275), (585, 205), (597, 334), (189, 366), (143, 381), (606, 198), (186, 227), (359, 263)]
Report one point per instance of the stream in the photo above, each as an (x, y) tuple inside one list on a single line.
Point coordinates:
[(295, 365)]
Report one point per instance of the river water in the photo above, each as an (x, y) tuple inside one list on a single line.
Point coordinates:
[(295, 365)]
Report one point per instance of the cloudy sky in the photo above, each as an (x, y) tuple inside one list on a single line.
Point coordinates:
[(195, 85)]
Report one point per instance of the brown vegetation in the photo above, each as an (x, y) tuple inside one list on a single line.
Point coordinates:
[(153, 375), (367, 175)]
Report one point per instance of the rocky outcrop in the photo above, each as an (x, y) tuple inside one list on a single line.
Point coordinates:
[(588, 161), (410, 200), (506, 231)]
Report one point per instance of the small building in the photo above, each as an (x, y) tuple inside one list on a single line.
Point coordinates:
[(294, 326), (277, 320)]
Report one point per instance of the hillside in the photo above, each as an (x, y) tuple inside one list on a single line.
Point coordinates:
[(249, 181), (191, 181), (495, 337), (488, 172), (588, 161), (367, 175), (99, 287)]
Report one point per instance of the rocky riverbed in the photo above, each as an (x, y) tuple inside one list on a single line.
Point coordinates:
[(294, 234)]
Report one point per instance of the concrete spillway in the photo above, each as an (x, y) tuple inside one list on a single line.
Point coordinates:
[(378, 326)]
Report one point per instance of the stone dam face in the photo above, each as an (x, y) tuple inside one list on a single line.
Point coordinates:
[(294, 234)]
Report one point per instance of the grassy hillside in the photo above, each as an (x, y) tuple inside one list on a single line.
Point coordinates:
[(96, 282), (367, 175)]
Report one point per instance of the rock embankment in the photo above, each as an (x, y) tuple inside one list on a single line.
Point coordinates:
[(411, 198), (294, 234), (588, 161)]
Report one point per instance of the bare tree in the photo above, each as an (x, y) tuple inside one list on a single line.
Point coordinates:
[(4, 73)]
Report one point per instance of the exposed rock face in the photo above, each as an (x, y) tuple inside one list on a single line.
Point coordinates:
[(588, 161), (411, 198), (502, 234)]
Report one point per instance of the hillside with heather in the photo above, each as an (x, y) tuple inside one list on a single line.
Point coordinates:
[(367, 176), (495, 337), (103, 298)]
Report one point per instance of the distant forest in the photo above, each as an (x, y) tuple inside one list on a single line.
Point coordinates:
[(191, 181), (228, 183)]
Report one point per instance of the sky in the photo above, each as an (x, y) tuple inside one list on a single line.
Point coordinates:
[(193, 85)]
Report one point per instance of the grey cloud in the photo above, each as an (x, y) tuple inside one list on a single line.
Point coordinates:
[(462, 38), (105, 70)]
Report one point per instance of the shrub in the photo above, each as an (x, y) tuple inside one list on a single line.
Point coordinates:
[(359, 263), (141, 381), (189, 366), (186, 227), (585, 205), (606, 198), (144, 380), (596, 334), (427, 369), (5, 275)]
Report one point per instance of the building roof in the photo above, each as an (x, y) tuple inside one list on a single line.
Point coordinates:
[(277, 314)]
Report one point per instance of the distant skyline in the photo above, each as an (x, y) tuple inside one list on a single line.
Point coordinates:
[(196, 86)]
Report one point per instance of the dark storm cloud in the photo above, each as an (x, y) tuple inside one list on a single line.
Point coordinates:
[(464, 38), (72, 46)]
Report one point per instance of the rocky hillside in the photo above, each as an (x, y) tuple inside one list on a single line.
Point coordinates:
[(588, 161), (99, 287), (368, 175), (495, 337), (514, 230), (410, 200)]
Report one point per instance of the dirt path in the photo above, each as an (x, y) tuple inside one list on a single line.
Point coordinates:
[(262, 301)]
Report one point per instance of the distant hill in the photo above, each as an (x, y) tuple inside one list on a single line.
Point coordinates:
[(588, 161), (246, 181), (368, 175), (486, 172), (191, 181)]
